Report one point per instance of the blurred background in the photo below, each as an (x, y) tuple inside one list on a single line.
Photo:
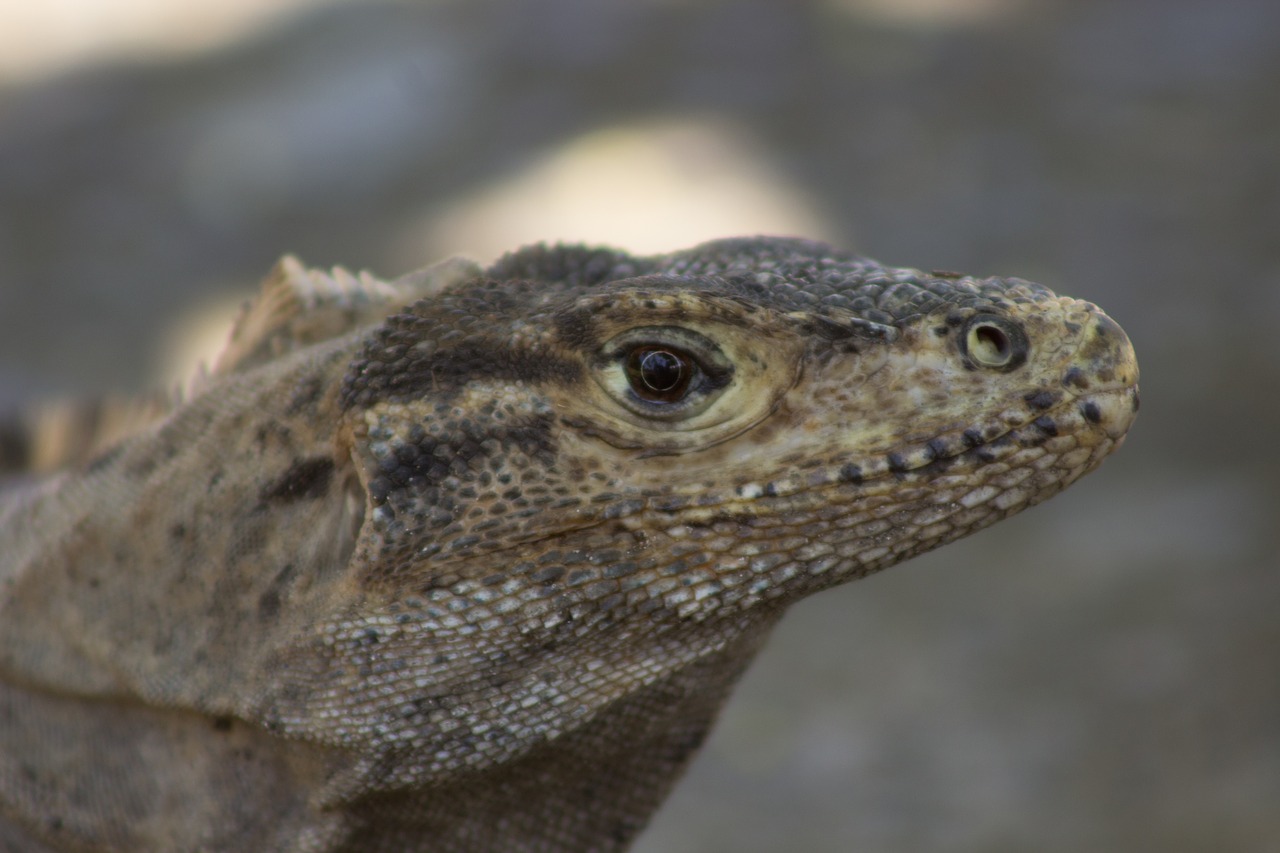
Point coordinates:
[(1100, 673)]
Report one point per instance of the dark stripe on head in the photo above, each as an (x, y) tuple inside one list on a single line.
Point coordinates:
[(305, 479), (412, 358)]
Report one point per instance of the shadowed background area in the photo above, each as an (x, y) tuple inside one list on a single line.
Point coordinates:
[(1099, 673)]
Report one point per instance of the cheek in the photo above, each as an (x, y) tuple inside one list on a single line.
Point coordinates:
[(927, 383), (905, 395), (948, 386)]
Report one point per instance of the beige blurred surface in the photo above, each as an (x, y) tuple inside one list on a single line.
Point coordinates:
[(1099, 673), (41, 39)]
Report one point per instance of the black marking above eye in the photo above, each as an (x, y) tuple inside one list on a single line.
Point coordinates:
[(659, 374)]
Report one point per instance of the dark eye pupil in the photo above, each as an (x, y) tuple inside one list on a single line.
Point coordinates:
[(661, 370), (657, 374)]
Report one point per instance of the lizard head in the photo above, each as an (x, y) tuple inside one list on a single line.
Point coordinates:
[(744, 389), (582, 442)]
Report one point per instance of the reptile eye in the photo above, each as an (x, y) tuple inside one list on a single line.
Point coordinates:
[(994, 343), (659, 374), (664, 373)]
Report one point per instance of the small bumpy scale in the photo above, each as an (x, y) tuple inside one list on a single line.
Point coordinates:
[(469, 560)]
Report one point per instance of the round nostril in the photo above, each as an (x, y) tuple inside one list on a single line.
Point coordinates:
[(994, 343), (990, 346)]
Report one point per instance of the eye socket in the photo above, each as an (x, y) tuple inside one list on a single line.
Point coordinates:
[(994, 343), (659, 374), (664, 373)]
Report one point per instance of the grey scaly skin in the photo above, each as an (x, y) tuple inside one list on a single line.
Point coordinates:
[(470, 560)]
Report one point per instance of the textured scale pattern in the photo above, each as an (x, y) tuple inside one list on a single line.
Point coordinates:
[(424, 565)]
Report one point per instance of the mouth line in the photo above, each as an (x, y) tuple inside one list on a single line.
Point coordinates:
[(985, 443)]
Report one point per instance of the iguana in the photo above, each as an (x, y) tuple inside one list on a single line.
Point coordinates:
[(469, 560)]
